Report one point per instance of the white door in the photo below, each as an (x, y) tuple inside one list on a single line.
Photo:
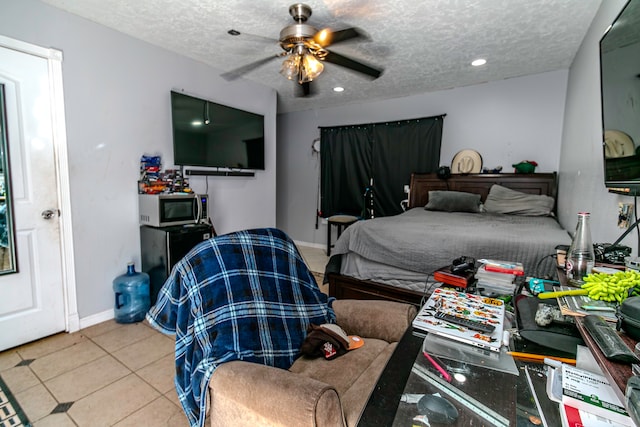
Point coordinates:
[(32, 299)]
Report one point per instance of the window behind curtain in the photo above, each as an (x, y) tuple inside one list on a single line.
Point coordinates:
[(386, 152)]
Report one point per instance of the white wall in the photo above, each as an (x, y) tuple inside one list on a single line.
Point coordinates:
[(505, 121), (117, 102), (581, 168)]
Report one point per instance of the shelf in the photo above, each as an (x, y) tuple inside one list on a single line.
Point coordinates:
[(195, 172)]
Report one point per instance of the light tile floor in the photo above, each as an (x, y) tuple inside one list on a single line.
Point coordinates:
[(109, 374), (316, 260)]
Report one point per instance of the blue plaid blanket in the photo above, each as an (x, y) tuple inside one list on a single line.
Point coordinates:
[(242, 296)]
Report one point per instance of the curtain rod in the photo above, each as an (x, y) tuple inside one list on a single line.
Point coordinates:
[(440, 116)]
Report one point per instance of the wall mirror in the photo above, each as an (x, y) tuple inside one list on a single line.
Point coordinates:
[(620, 79), (7, 237)]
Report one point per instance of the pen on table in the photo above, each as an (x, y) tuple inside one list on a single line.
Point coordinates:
[(540, 357), (598, 308), (439, 368)]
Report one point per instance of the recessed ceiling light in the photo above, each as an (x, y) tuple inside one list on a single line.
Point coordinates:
[(479, 62), (338, 89)]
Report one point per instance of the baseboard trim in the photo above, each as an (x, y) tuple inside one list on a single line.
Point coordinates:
[(94, 319)]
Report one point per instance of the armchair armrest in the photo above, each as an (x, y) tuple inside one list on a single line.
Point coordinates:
[(251, 394), (386, 320)]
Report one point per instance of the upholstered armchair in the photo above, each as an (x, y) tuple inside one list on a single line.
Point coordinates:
[(313, 392), (240, 306)]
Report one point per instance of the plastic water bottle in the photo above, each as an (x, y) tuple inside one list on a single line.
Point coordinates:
[(132, 295), (581, 257)]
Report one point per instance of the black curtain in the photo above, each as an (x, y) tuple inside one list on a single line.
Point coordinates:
[(345, 168), (387, 153)]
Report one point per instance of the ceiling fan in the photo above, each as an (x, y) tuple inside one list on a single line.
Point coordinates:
[(305, 50)]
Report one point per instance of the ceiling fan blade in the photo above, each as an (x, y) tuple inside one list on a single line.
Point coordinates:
[(336, 58), (235, 33), (327, 37), (240, 71)]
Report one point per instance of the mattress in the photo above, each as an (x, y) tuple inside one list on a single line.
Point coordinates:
[(406, 249)]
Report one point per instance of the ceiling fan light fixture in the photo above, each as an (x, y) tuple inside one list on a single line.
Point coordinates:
[(310, 68), (323, 37), (290, 67)]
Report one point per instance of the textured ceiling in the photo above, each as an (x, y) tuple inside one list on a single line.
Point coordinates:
[(422, 45)]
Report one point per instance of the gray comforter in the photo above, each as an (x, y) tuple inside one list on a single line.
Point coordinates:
[(423, 241)]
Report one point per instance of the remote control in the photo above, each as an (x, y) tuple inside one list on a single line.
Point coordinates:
[(467, 323), (608, 340)]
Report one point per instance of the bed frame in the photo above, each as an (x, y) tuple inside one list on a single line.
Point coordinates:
[(343, 287)]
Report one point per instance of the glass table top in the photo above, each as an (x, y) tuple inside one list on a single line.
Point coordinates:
[(486, 388)]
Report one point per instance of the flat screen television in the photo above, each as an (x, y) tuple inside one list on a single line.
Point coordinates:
[(213, 135), (620, 85)]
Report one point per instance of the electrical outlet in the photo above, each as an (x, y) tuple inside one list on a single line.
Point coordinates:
[(406, 189), (625, 211)]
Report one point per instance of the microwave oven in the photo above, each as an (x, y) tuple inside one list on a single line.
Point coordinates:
[(164, 210)]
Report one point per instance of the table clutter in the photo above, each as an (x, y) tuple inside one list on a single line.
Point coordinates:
[(541, 340)]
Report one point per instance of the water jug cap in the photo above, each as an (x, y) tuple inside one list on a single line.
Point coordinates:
[(131, 268)]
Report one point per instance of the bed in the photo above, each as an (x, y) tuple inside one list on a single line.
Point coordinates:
[(394, 257)]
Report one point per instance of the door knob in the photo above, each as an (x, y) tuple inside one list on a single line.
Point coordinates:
[(50, 213)]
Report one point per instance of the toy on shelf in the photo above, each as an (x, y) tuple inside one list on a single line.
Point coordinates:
[(154, 181), (525, 166)]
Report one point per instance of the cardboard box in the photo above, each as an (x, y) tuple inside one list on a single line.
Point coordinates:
[(572, 417), (592, 393)]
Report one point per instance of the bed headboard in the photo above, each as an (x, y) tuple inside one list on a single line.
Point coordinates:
[(535, 183)]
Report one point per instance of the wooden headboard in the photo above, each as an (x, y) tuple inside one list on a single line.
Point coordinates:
[(534, 183)]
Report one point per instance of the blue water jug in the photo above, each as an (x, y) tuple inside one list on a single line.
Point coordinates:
[(132, 295)]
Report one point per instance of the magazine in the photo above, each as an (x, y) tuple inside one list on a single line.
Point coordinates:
[(471, 307)]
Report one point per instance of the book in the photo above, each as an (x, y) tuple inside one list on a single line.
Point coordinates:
[(592, 393), (489, 311), (447, 276)]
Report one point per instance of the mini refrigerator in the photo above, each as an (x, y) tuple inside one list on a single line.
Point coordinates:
[(162, 247)]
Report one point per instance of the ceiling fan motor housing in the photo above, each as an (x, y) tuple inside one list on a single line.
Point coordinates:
[(298, 33), (300, 12), (294, 34)]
